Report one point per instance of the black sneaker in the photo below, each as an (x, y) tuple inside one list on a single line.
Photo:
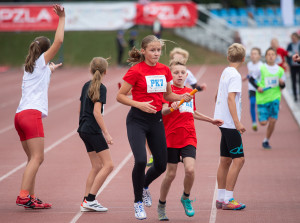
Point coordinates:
[(266, 145)]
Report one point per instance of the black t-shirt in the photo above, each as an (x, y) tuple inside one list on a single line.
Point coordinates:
[(87, 121)]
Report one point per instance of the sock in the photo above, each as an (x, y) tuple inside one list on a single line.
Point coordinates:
[(221, 195), (162, 202), (24, 193), (228, 196), (185, 196), (266, 140), (91, 197), (84, 198)]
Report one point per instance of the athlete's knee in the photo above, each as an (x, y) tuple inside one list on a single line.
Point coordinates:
[(190, 171), (160, 167), (263, 123), (109, 167), (140, 163), (226, 162), (170, 175), (239, 161), (37, 159)]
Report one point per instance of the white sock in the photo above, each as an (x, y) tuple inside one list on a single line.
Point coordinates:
[(221, 195), (266, 140), (228, 196)]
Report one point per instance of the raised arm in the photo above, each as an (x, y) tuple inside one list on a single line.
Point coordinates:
[(59, 35)]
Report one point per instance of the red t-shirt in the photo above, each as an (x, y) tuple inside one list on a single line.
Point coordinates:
[(148, 82), (281, 54), (179, 125)]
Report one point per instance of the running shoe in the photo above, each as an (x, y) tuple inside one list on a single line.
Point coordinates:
[(94, 205), (232, 205), (28, 202), (38, 201), (219, 204), (139, 210), (266, 145), (150, 162), (254, 127), (188, 208), (83, 209), (161, 210), (147, 197)]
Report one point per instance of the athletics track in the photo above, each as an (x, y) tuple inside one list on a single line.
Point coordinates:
[(268, 183)]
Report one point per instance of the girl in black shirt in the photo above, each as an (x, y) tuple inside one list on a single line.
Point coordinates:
[(93, 132)]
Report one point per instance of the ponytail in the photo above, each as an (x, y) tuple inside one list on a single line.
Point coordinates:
[(37, 47), (98, 67), (94, 89), (135, 56), (33, 54)]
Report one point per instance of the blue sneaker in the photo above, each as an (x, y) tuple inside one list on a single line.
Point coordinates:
[(188, 208), (266, 145)]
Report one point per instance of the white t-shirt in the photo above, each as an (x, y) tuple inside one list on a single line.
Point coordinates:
[(251, 68), (35, 88), (230, 81), (190, 79), (256, 74)]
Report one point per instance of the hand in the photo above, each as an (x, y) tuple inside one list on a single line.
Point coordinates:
[(175, 105), (239, 126), (54, 66), (59, 10), (187, 97), (260, 90), (108, 138), (203, 86), (217, 122), (296, 58), (147, 107), (281, 82)]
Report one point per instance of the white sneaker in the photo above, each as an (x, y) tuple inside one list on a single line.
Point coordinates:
[(94, 205), (147, 197), (139, 211), (82, 209)]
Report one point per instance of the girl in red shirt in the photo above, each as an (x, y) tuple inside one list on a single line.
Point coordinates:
[(149, 81), (181, 139)]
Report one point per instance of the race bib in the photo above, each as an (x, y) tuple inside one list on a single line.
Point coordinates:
[(187, 107), (156, 83), (271, 81)]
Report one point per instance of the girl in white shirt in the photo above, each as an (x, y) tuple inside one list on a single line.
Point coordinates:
[(34, 105)]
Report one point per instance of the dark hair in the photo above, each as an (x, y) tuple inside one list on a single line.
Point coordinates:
[(98, 67), (257, 49), (296, 35), (37, 47), (270, 48), (135, 55)]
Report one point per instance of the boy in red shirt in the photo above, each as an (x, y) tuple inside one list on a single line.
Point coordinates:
[(181, 139)]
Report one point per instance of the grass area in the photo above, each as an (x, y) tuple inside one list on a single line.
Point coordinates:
[(80, 47)]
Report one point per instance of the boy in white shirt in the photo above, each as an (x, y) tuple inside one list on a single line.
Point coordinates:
[(228, 108), (253, 65)]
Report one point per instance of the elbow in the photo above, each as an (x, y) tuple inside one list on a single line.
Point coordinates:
[(59, 41), (118, 98)]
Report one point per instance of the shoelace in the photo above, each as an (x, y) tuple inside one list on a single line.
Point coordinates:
[(189, 203), (162, 212), (147, 196)]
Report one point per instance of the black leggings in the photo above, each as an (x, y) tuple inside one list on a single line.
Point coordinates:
[(142, 126)]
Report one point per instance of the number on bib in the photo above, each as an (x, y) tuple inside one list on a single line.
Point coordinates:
[(156, 83)]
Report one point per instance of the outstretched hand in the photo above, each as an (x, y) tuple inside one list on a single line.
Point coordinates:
[(54, 66), (59, 10), (217, 122)]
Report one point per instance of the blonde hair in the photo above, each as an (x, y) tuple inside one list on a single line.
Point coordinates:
[(236, 53), (37, 47), (178, 50), (136, 56), (98, 67), (177, 61)]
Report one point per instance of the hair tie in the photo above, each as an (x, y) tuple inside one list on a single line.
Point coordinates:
[(37, 42)]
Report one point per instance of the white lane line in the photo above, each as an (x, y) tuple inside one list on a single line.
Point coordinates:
[(107, 181), (56, 143), (201, 72), (213, 212)]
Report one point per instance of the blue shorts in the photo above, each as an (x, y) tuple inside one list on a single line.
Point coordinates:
[(268, 110)]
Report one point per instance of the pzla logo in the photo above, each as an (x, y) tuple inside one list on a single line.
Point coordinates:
[(167, 12), (22, 15)]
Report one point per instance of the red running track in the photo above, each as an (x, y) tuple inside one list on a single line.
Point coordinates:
[(268, 183)]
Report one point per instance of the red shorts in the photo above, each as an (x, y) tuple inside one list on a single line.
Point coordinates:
[(28, 124)]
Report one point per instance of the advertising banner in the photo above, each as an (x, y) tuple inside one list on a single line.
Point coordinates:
[(170, 14)]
